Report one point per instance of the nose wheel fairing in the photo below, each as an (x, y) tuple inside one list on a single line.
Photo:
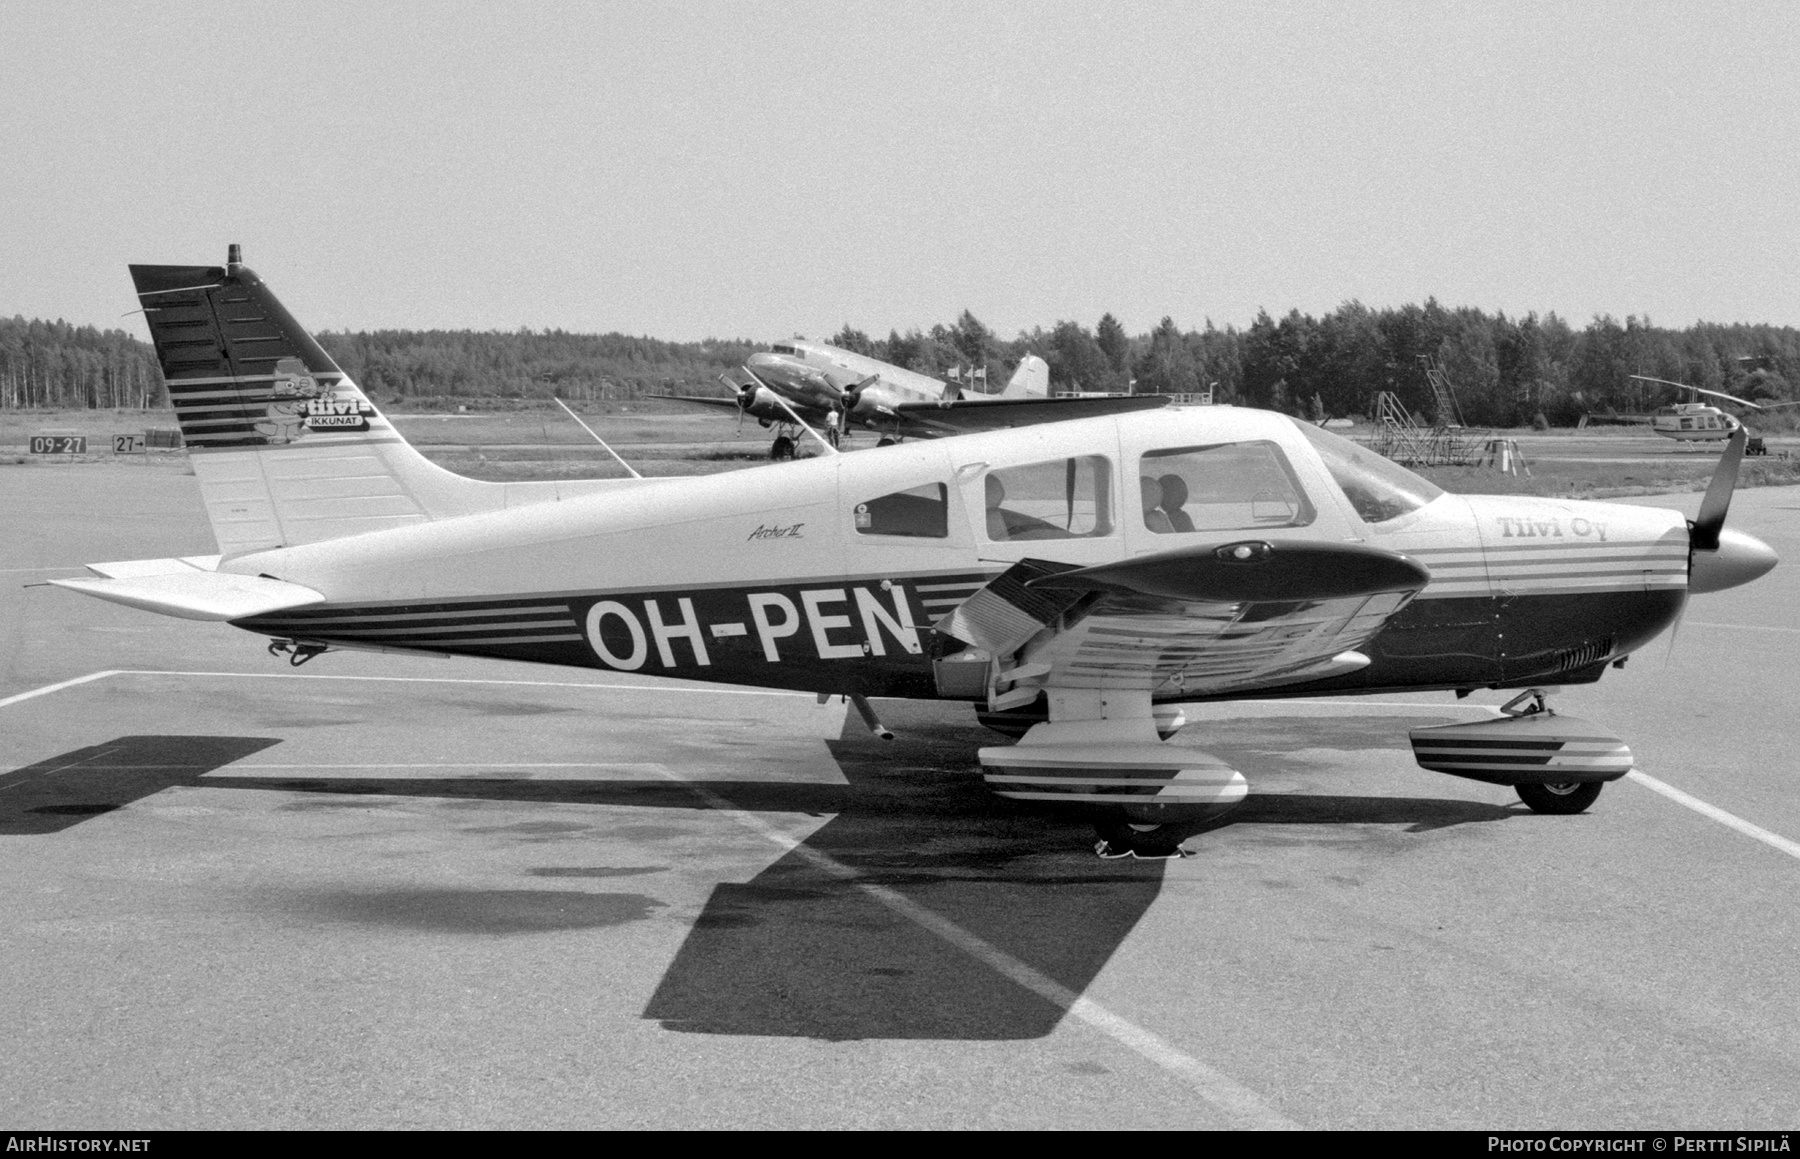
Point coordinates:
[(1118, 765), (1529, 747)]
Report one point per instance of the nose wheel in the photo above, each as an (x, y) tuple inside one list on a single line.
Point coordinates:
[(1562, 800)]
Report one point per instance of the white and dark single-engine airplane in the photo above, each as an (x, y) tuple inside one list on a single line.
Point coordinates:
[(1696, 422), (1075, 582), (798, 381)]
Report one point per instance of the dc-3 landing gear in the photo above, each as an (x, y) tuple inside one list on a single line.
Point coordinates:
[(1557, 764), (788, 440)]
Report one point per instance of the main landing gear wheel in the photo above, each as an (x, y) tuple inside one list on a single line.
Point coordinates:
[(1563, 799), (782, 448), (1122, 838)]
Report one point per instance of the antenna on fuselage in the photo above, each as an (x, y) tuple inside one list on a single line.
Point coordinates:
[(598, 439)]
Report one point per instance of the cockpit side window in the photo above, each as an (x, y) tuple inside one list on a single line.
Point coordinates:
[(1058, 499), (1221, 487), (1379, 488), (920, 513)]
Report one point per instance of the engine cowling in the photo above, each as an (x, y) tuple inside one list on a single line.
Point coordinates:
[(866, 402), (759, 402)]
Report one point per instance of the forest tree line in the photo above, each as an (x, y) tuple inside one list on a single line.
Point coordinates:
[(1506, 371)]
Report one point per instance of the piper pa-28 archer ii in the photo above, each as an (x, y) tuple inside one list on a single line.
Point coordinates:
[(1076, 582), (797, 382)]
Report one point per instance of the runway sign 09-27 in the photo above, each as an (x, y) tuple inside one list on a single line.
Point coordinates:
[(59, 444)]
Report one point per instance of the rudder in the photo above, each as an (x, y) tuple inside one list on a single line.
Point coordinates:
[(287, 449), (1031, 379)]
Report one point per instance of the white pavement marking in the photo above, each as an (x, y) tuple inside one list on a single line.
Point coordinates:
[(1730, 820), (404, 680), (58, 567), (1222, 1091), (472, 765), (450, 680), (1345, 702), (1743, 627), (59, 768), (49, 688)]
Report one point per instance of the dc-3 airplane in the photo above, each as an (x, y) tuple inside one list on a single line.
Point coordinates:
[(1696, 422), (798, 382), (1076, 582)]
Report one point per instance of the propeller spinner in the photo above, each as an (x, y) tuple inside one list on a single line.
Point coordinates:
[(1719, 558)]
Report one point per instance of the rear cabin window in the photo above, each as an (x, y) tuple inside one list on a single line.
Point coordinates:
[(1058, 499), (921, 513), (1222, 487)]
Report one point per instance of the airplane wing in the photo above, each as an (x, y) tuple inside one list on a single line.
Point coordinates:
[(1212, 620), (725, 402), (967, 415), (190, 588)]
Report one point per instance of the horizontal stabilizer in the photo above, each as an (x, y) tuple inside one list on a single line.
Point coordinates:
[(189, 592)]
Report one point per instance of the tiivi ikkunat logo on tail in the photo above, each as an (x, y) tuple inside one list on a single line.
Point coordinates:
[(299, 404)]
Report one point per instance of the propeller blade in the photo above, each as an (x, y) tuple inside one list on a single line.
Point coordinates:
[(1704, 536)]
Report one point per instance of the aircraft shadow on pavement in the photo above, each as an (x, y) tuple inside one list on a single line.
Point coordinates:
[(802, 951), (65, 790)]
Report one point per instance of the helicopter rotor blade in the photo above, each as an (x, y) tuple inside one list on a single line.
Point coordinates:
[(1700, 390)]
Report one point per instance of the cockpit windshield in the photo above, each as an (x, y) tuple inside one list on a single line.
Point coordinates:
[(1379, 488)]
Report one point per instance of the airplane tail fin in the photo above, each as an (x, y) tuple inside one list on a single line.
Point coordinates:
[(1030, 380), (287, 449)]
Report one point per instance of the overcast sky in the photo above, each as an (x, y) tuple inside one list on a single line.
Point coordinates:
[(759, 170)]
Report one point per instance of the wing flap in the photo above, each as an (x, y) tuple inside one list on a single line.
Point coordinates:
[(1209, 620), (191, 593), (1008, 611), (133, 568)]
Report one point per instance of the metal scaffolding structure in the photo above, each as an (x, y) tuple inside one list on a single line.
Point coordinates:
[(1446, 443)]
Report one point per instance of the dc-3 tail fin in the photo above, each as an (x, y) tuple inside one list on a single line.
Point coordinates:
[(286, 448), (1031, 379)]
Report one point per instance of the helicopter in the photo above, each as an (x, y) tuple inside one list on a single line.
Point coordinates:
[(1698, 422)]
